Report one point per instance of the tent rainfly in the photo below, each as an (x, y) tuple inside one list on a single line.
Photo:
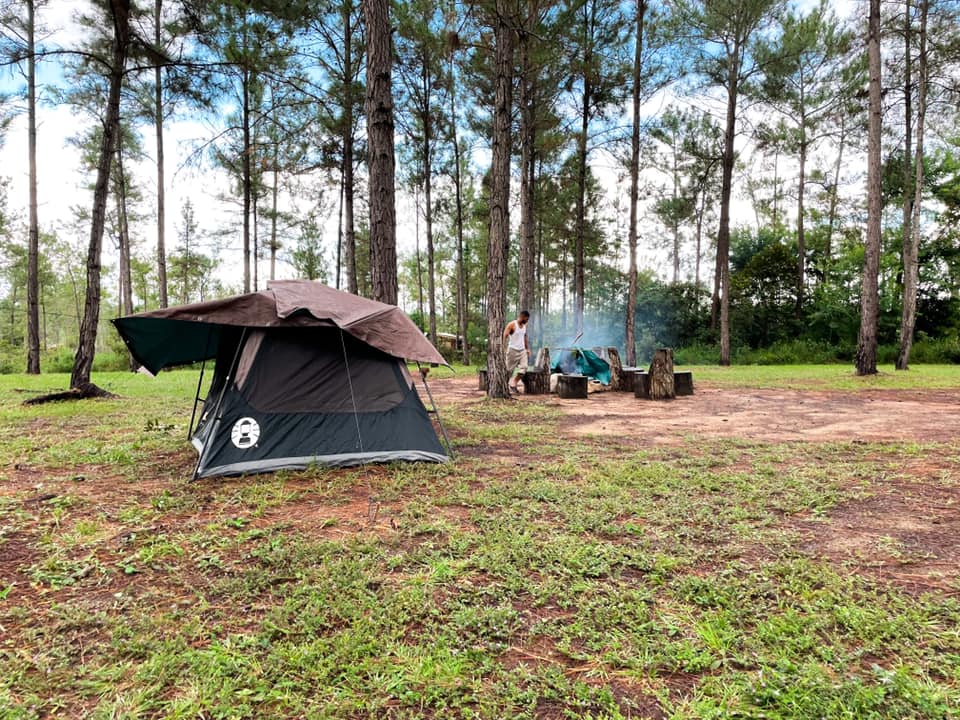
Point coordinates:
[(304, 374)]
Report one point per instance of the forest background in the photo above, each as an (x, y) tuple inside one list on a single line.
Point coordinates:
[(241, 155)]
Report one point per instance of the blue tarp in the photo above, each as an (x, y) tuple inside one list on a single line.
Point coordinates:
[(581, 361)]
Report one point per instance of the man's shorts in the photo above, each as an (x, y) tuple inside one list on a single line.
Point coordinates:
[(516, 360)]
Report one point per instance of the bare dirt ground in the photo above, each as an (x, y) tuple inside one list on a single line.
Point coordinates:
[(907, 531), (754, 414)]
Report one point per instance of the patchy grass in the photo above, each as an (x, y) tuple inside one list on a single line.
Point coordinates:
[(538, 576), (829, 377)]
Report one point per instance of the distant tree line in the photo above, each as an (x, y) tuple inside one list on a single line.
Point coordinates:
[(584, 160)]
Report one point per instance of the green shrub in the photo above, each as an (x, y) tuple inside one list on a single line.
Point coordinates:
[(924, 351), (695, 354), (793, 352), (59, 360)]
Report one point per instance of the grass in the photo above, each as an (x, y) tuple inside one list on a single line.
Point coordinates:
[(539, 576), (829, 377)]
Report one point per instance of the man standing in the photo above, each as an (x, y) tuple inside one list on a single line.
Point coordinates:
[(518, 347)]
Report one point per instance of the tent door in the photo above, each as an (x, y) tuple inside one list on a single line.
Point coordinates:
[(214, 424)]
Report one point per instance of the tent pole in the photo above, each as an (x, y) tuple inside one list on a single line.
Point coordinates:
[(216, 413), (353, 398), (196, 400), (436, 410), (196, 397)]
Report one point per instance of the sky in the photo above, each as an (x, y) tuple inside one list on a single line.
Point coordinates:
[(63, 185)]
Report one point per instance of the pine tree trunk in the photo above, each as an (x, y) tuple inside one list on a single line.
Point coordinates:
[(579, 261), (834, 199), (246, 179), (911, 250), (801, 234), (428, 206), (499, 241), (866, 358), (630, 339), (33, 248), (161, 179), (83, 360), (380, 129), (723, 233), (696, 271), (349, 231), (527, 171), (461, 259), (906, 173), (273, 211)]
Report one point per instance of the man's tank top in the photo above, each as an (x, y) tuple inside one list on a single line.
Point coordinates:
[(516, 339)]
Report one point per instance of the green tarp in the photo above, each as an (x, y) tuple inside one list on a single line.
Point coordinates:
[(582, 361)]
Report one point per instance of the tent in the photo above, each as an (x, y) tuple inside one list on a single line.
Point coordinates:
[(303, 374), (582, 361)]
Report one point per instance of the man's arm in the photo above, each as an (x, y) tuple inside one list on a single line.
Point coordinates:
[(508, 330)]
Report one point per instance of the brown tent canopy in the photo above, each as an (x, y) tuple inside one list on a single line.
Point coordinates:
[(189, 333)]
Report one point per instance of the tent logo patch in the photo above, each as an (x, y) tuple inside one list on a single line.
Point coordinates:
[(245, 433)]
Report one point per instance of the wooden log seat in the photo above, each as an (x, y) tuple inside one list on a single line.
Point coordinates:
[(616, 369), (683, 382), (572, 387), (536, 380), (660, 386), (482, 382), (641, 385), (628, 378)]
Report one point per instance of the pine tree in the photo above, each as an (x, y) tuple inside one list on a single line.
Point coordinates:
[(866, 358), (381, 162)]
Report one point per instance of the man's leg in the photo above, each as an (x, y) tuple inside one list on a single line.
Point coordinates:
[(513, 366)]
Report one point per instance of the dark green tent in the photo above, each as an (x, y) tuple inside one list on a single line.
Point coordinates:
[(303, 374)]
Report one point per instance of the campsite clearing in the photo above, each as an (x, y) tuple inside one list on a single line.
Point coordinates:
[(784, 543)]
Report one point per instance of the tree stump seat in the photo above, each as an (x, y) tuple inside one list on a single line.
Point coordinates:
[(572, 387), (641, 385), (536, 380), (483, 383), (683, 382), (628, 378)]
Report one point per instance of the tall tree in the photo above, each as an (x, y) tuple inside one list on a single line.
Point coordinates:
[(339, 29), (725, 36), (457, 172), (498, 244), (33, 252), (158, 119), (911, 247), (118, 18), (866, 358), (630, 320), (19, 23), (808, 82), (600, 73), (422, 71), (381, 162), (671, 131), (541, 31)]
